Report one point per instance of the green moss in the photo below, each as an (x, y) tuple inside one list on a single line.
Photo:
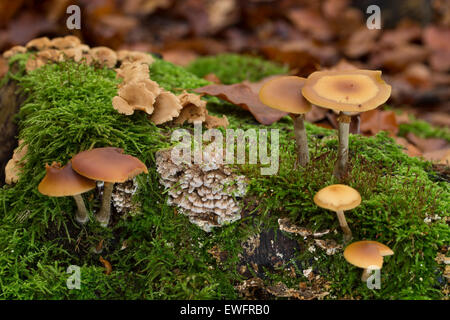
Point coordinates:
[(68, 109), (234, 68), (424, 130)]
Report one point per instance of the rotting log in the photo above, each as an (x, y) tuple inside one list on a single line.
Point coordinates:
[(10, 103)]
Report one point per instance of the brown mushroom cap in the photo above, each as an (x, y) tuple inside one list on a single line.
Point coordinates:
[(63, 181), (39, 44), (107, 164), (285, 94), (337, 197), (104, 55), (365, 254), (347, 90)]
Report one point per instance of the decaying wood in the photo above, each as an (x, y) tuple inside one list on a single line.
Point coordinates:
[(10, 103)]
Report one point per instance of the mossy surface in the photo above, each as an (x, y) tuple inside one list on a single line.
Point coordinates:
[(234, 68), (156, 253)]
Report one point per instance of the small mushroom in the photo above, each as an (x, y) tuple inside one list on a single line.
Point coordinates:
[(109, 165), (367, 255), (137, 95), (339, 198), (66, 42), (62, 182), (38, 44), (167, 107), (133, 72), (13, 51), (104, 56), (285, 94), (348, 92), (134, 56)]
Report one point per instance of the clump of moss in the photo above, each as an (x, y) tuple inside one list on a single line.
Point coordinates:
[(424, 130), (235, 68)]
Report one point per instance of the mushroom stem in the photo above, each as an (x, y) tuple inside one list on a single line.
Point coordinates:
[(105, 211), (81, 215), (340, 169), (301, 139), (344, 226), (366, 274)]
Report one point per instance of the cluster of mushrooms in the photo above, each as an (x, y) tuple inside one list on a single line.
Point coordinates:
[(108, 165), (346, 92)]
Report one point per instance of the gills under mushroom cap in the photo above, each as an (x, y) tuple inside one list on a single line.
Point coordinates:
[(63, 181), (107, 164), (347, 90), (365, 254), (285, 94), (337, 197)]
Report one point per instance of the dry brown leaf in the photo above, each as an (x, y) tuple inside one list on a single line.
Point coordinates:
[(311, 21), (242, 95), (409, 148), (439, 156), (427, 145), (374, 121), (4, 67), (107, 265)]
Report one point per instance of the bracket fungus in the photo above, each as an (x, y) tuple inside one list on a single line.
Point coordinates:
[(62, 182), (339, 198), (109, 165), (285, 94), (206, 192), (348, 92), (367, 255)]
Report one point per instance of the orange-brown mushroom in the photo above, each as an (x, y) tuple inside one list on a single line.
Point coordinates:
[(62, 182), (285, 94), (137, 95), (367, 255), (65, 42), (109, 165), (13, 51), (339, 198), (127, 56), (348, 92)]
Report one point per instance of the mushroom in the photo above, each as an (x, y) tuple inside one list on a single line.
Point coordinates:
[(339, 198), (109, 165), (132, 72), (285, 94), (39, 44), (65, 42), (367, 255), (347, 92), (13, 51), (62, 182), (104, 56), (134, 56), (138, 96), (167, 107)]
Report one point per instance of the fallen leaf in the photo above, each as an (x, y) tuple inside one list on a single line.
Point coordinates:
[(180, 57), (409, 148), (107, 265), (311, 22), (374, 121), (427, 145), (243, 96), (439, 156)]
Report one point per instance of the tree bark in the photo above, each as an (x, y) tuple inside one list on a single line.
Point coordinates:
[(10, 103)]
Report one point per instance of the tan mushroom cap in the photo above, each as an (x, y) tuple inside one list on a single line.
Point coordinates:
[(337, 197), (39, 43), (104, 56), (365, 254), (63, 181), (107, 164), (167, 107), (285, 94), (347, 90)]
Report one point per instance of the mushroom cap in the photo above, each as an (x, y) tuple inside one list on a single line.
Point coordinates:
[(285, 94), (337, 197), (167, 107), (39, 43), (347, 90), (63, 181), (365, 254), (107, 164)]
